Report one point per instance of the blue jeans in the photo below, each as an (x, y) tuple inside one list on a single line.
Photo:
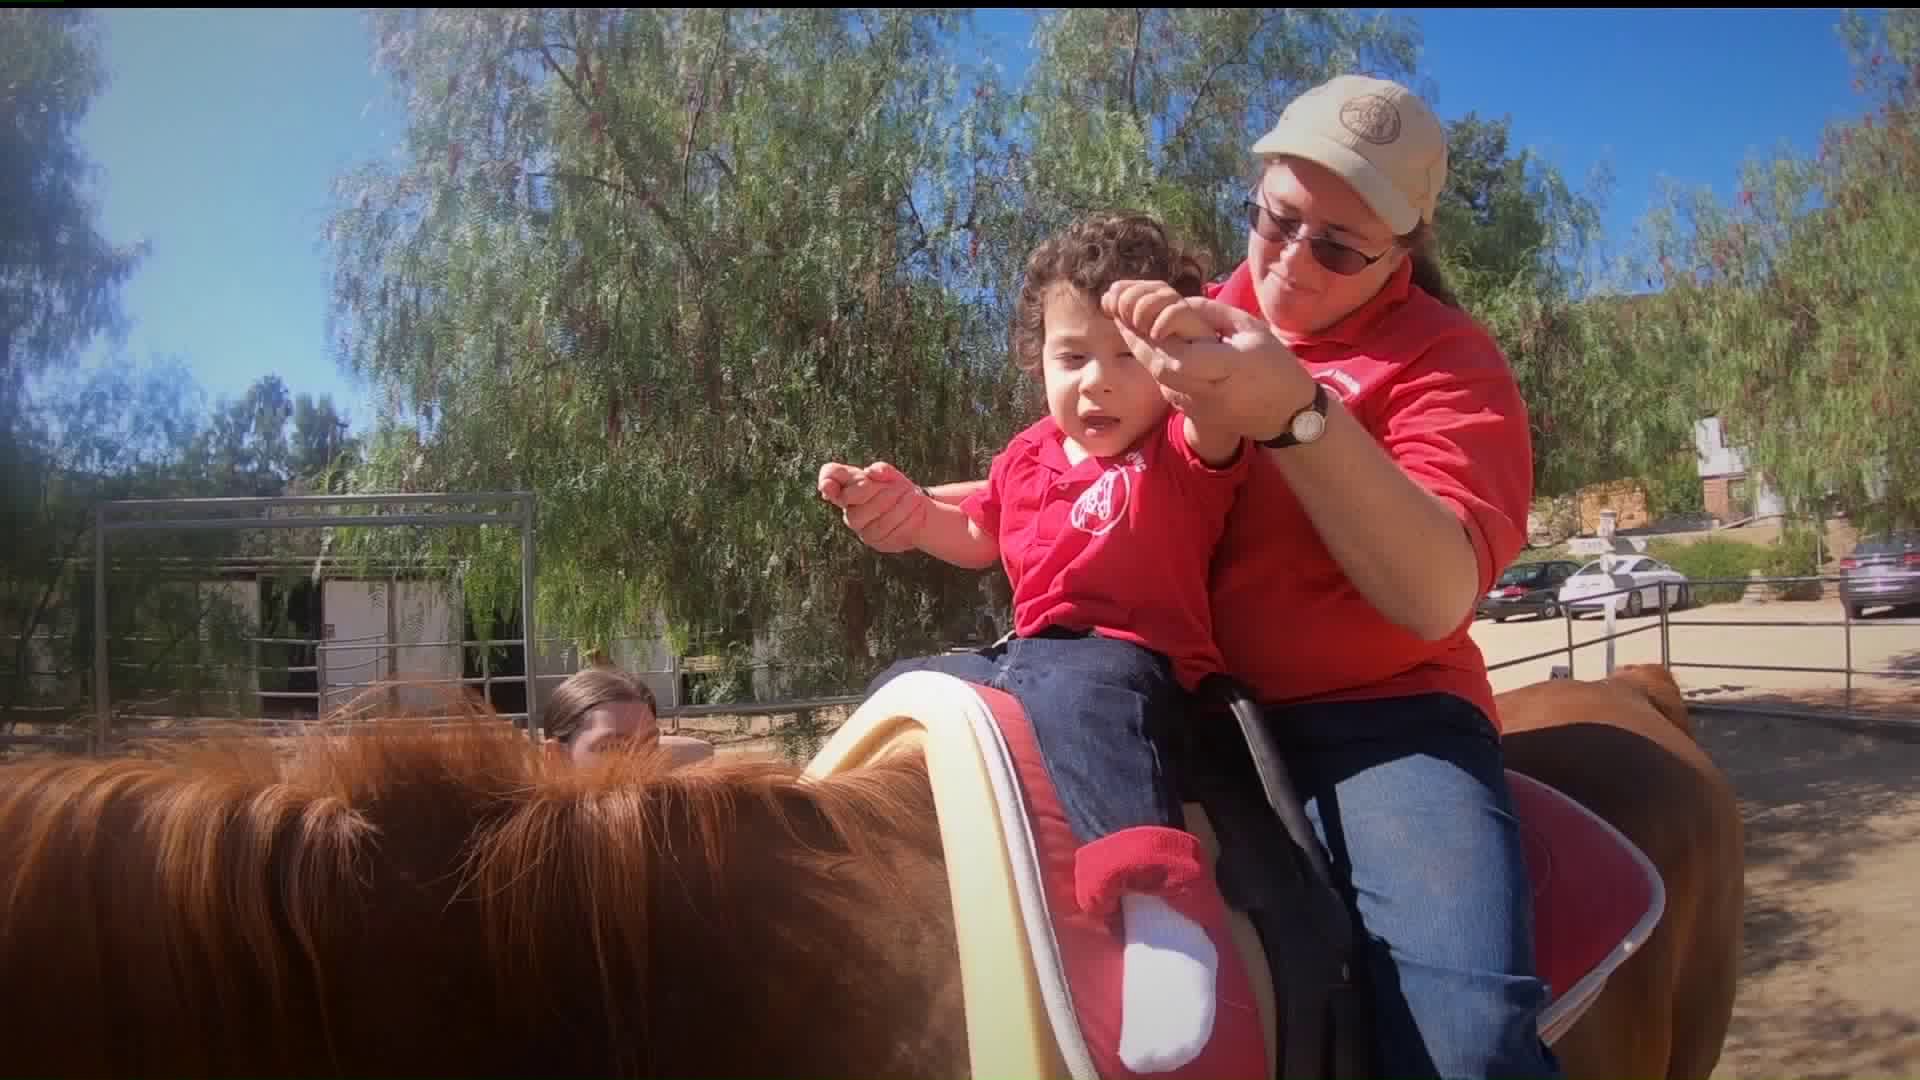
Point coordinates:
[(1099, 709), (1409, 796)]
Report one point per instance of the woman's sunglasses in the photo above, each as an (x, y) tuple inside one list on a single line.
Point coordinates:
[(1332, 254)]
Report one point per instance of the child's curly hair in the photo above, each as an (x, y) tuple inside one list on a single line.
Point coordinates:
[(1091, 254)]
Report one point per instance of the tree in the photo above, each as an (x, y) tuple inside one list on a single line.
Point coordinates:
[(1518, 243), (70, 439), (1803, 296), (657, 266), (118, 432), (59, 278), (247, 441)]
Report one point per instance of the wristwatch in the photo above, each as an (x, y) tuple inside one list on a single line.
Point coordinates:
[(1307, 425)]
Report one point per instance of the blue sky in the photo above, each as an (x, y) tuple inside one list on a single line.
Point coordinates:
[(221, 132)]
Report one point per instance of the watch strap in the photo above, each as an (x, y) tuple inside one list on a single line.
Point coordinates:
[(1286, 438)]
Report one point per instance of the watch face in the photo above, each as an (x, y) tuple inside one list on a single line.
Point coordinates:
[(1308, 426)]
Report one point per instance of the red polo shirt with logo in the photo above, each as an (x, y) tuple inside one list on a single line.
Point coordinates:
[(1119, 545), (1434, 388)]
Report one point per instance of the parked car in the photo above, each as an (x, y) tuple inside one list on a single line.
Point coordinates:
[(1586, 589), (1881, 570), (1527, 589)]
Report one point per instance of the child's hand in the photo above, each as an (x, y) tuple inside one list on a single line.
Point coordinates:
[(1153, 310), (879, 503), (834, 480)]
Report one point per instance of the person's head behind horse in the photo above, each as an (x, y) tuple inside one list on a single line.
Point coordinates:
[(600, 709), (406, 900)]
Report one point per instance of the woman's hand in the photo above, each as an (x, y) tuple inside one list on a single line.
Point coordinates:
[(1217, 364), (1225, 369)]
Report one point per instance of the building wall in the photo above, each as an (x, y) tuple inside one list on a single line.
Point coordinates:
[(1724, 468), (1628, 501), (1716, 498), (359, 648)]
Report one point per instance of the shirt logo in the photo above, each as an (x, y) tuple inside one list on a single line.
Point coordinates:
[(1101, 506), (1344, 385)]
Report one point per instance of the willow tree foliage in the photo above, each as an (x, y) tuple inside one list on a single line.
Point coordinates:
[(1799, 298), (59, 278), (657, 266)]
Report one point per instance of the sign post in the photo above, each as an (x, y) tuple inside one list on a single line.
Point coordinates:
[(1607, 520)]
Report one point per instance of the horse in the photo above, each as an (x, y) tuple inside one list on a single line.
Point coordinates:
[(1624, 747), (417, 900), (439, 900)]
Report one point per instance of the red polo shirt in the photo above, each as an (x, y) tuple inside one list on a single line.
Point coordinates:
[(1435, 390), (1119, 545)]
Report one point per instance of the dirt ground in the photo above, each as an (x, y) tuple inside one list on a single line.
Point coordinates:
[(1833, 898)]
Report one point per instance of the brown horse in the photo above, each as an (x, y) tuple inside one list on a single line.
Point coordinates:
[(411, 902), (1624, 748), (429, 902)]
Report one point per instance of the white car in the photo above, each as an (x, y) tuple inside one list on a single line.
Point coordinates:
[(1640, 573)]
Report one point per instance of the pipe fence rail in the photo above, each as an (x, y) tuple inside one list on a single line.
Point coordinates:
[(1664, 627), (142, 515), (673, 713)]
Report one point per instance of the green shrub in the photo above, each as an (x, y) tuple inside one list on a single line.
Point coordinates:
[(1710, 559), (1542, 554), (1795, 554)]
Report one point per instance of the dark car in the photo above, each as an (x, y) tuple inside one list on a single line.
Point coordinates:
[(1527, 589), (1882, 570)]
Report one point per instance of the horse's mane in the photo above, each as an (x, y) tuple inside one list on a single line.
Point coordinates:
[(1656, 683), (256, 900)]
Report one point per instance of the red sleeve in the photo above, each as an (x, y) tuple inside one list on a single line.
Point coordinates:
[(1207, 492), (1457, 425), (1228, 476), (983, 506)]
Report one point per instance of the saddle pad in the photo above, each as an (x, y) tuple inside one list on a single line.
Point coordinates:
[(1597, 898), (1010, 861)]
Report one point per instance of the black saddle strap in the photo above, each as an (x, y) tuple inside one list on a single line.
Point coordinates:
[(1272, 769), (1300, 913)]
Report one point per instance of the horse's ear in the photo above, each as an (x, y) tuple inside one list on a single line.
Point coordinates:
[(1656, 683)]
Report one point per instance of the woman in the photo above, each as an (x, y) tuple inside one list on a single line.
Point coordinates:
[(601, 708), (1393, 485)]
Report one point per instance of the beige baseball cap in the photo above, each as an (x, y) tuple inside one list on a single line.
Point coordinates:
[(1376, 135)]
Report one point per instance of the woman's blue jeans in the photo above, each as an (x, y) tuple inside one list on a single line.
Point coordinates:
[(1409, 796)]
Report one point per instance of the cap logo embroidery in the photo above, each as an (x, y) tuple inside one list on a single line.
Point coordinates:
[(1371, 117)]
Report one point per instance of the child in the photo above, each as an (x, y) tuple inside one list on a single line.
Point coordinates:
[(1105, 514)]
